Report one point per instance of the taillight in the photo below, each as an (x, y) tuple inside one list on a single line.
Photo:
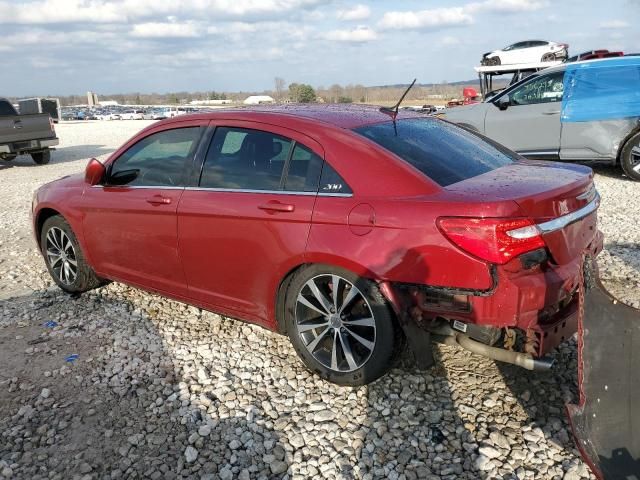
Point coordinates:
[(496, 240), (51, 124)]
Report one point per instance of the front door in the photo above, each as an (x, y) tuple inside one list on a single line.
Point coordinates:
[(531, 123), (247, 221), (130, 221)]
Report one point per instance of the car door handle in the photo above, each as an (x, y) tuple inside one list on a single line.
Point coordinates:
[(551, 112), (276, 206), (17, 124), (159, 200)]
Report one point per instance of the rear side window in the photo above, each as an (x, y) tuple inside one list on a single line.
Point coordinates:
[(332, 182), (157, 160), (445, 153), (244, 159)]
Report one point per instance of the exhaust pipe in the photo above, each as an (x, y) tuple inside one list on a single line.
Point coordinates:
[(523, 360)]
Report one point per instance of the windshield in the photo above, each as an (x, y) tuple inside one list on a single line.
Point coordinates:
[(444, 152)]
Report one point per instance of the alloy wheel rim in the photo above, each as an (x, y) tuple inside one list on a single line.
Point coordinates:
[(61, 255), (335, 322), (635, 159)]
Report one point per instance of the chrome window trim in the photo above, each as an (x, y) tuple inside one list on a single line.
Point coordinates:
[(246, 190), (561, 222), (139, 187), (233, 190), (344, 195)]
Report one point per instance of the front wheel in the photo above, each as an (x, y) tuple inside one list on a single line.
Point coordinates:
[(630, 158), (41, 158), (340, 325), (63, 256)]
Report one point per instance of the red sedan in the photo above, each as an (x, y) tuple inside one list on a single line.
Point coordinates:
[(346, 228)]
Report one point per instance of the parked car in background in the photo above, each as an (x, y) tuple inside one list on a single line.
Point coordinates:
[(31, 134), (108, 116), (530, 51), (132, 114), (526, 118), (593, 54), (345, 227)]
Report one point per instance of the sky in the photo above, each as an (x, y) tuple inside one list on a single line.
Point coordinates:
[(62, 47)]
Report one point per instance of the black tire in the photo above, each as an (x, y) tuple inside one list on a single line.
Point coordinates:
[(496, 61), (41, 158), (630, 159), (85, 278), (548, 57), (367, 364)]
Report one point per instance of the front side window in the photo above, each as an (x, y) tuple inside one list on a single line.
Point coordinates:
[(244, 159), (443, 152), (156, 160), (543, 89)]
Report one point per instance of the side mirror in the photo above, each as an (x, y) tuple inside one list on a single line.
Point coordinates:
[(504, 102), (95, 172)]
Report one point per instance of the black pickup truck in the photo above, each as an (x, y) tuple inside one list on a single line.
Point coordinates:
[(25, 134)]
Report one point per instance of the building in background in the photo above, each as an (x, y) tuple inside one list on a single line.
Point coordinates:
[(92, 99), (258, 100)]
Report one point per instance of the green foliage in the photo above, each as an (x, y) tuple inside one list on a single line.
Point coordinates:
[(302, 93), (345, 100)]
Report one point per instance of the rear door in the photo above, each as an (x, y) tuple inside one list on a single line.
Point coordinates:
[(246, 220), (530, 125), (130, 221)]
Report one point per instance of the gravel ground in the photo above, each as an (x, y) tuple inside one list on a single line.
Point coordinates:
[(163, 390)]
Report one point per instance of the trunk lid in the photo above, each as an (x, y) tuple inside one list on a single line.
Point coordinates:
[(558, 197)]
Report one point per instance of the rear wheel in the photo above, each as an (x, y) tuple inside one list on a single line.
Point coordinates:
[(41, 158), (548, 57), (340, 325), (64, 258), (630, 157)]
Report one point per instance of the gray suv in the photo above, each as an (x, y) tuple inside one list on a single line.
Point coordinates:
[(526, 118)]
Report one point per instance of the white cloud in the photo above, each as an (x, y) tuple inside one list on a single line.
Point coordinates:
[(60, 11), (614, 24), (165, 30), (358, 12), (507, 6), (122, 11), (357, 35), (426, 19)]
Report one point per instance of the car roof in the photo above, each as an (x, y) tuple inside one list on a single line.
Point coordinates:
[(340, 115)]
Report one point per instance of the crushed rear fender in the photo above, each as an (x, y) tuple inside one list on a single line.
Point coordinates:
[(606, 422)]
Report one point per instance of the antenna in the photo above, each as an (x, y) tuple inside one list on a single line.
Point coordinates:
[(393, 111)]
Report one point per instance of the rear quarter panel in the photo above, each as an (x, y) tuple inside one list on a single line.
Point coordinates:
[(400, 241), (468, 116)]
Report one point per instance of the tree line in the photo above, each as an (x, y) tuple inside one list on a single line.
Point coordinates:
[(293, 92)]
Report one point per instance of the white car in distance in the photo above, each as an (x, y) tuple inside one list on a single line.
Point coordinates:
[(530, 51), (132, 115)]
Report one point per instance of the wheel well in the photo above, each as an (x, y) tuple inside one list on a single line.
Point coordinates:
[(624, 142), (286, 281), (281, 296), (43, 215)]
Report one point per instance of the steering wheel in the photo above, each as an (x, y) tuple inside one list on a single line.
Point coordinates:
[(153, 177)]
